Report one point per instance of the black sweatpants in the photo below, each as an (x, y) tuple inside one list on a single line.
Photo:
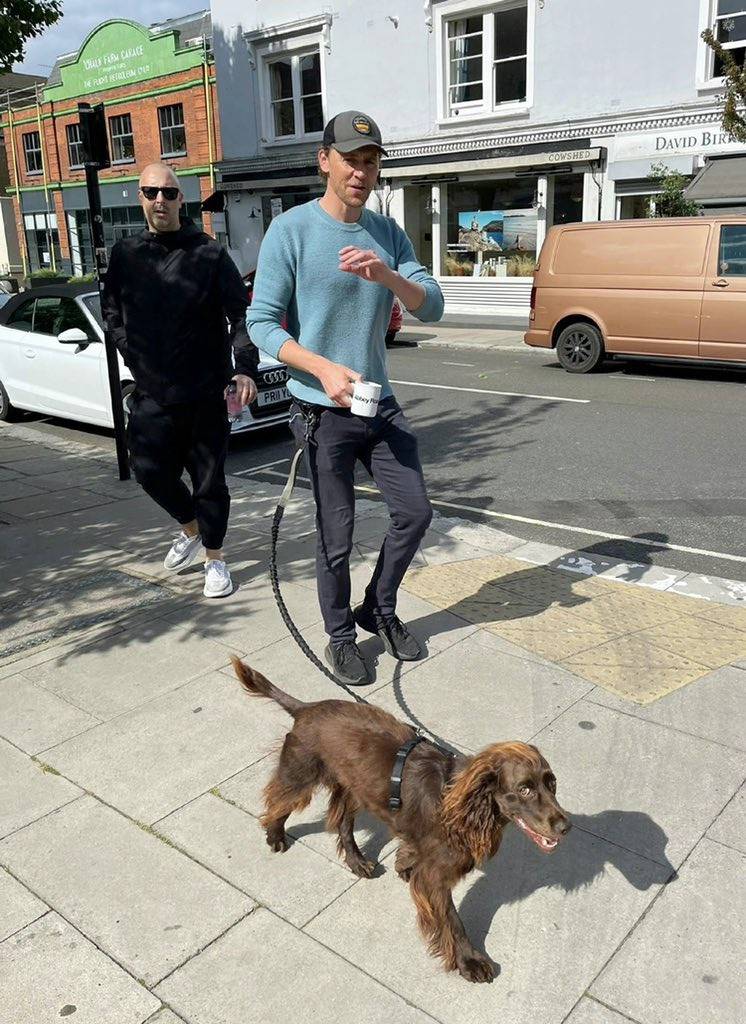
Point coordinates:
[(164, 440), (387, 447)]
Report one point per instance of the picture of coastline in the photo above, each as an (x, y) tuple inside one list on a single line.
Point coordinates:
[(498, 230)]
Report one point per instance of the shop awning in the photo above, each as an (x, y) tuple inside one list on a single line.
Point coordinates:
[(721, 179)]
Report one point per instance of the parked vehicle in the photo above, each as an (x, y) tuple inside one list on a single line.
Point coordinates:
[(52, 360), (661, 288), (394, 324)]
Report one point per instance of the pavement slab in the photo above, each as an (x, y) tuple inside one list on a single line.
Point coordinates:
[(543, 920), (686, 956), (27, 790), (138, 899), (34, 719), (264, 970), (638, 784), (150, 761), (50, 971), (18, 906), (296, 884), (730, 827)]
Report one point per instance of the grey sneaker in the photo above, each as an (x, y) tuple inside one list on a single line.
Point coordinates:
[(218, 582), (183, 551), (347, 663)]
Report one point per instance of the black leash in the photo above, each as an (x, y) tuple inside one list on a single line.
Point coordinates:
[(311, 418)]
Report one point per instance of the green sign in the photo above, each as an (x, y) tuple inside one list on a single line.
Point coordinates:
[(120, 53)]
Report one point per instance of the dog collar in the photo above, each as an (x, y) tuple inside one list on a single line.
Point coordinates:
[(398, 771)]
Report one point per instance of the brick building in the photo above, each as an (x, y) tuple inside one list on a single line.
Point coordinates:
[(158, 87)]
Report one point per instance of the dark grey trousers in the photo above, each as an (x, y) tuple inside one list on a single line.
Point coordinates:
[(386, 445)]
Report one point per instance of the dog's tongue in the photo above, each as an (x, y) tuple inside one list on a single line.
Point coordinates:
[(544, 844)]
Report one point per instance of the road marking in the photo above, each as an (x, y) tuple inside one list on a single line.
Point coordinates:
[(629, 376), (485, 391), (256, 469), (446, 363), (491, 514)]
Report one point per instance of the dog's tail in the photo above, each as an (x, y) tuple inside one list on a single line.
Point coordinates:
[(257, 685)]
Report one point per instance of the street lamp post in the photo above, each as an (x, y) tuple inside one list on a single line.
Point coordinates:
[(95, 157)]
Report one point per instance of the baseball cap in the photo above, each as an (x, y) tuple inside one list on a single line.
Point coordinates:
[(352, 130)]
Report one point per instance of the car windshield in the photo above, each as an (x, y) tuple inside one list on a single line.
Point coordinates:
[(93, 305)]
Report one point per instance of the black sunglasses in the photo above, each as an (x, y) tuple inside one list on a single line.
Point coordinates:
[(170, 192)]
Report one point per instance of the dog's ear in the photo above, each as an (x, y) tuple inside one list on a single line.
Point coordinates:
[(471, 813)]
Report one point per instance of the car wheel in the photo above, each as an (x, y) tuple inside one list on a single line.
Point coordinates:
[(127, 390), (580, 348), (8, 412)]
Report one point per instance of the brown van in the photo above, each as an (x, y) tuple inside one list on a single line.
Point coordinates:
[(664, 288)]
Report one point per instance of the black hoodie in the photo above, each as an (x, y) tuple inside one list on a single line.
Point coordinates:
[(166, 300)]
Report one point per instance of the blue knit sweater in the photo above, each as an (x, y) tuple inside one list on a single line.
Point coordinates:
[(336, 314)]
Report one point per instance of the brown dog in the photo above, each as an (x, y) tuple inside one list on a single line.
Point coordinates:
[(453, 810)]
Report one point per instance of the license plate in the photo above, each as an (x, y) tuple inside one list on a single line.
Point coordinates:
[(273, 396)]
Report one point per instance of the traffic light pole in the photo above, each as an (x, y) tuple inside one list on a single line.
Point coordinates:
[(95, 148)]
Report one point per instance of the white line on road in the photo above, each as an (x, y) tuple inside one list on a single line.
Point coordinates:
[(490, 513), (255, 469), (578, 529), (446, 363), (485, 391)]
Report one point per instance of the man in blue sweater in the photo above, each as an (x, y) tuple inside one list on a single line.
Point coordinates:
[(333, 268)]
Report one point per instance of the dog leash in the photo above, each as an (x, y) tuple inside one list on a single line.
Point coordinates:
[(310, 418)]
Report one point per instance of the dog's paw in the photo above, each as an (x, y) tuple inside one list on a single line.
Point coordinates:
[(278, 843), (362, 868), (476, 968)]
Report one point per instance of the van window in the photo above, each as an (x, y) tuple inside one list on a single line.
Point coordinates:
[(732, 258), (652, 249)]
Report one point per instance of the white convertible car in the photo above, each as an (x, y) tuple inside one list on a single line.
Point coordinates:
[(52, 360)]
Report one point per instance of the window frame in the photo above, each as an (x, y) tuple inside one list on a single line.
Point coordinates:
[(708, 18), (74, 142), (27, 150), (486, 109), (170, 128), (131, 134), (293, 49), (720, 261)]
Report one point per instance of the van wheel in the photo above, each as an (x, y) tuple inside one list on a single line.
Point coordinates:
[(8, 412), (580, 348)]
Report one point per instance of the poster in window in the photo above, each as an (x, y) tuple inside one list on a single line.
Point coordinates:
[(507, 231)]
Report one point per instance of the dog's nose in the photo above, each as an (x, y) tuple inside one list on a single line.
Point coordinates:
[(562, 826)]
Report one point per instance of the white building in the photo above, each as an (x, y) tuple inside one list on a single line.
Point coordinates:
[(501, 118)]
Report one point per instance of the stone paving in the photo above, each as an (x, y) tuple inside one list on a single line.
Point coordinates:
[(135, 884)]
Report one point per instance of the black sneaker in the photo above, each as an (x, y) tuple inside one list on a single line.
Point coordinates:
[(396, 638), (347, 663)]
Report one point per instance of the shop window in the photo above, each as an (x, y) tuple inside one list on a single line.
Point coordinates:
[(74, 146), (636, 207), (32, 152), (732, 257), (568, 199), (491, 228), (122, 139), (487, 60), (295, 102), (173, 132), (42, 239)]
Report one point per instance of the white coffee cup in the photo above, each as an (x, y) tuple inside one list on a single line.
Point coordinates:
[(365, 398)]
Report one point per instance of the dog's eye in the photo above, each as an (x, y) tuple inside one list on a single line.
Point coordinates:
[(525, 791)]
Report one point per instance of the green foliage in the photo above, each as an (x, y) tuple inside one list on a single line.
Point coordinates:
[(671, 201), (734, 99), (82, 278), (20, 21)]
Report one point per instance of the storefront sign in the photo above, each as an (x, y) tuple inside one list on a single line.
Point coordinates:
[(120, 53), (707, 140)]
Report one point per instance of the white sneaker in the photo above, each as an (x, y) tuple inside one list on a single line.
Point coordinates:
[(183, 552), (218, 582)]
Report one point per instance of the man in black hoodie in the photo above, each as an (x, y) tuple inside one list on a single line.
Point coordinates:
[(168, 293)]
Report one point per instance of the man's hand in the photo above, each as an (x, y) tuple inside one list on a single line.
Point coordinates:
[(245, 388), (366, 264), (337, 381)]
